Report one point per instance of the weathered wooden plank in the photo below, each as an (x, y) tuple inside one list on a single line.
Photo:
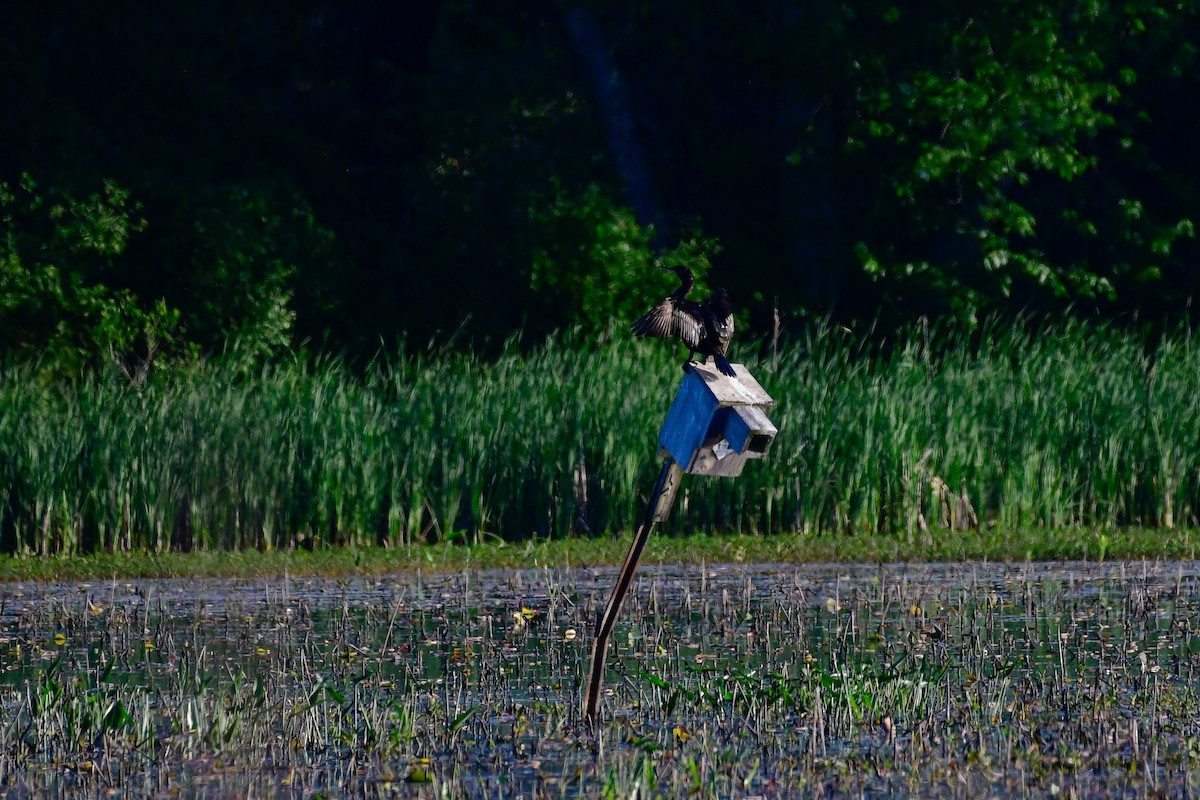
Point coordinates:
[(751, 433), (716, 460), (740, 391)]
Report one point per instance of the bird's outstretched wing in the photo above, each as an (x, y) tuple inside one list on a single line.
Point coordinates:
[(718, 324), (673, 318), (724, 329)]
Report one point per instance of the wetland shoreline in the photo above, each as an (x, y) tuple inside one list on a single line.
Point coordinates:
[(986, 545)]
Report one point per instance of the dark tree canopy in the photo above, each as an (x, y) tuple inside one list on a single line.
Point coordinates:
[(246, 176)]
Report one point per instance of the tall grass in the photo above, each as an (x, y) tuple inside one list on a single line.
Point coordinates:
[(1013, 426)]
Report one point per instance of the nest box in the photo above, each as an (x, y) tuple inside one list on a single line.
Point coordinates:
[(717, 423)]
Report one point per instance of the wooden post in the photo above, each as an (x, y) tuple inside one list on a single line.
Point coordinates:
[(716, 423), (657, 508)]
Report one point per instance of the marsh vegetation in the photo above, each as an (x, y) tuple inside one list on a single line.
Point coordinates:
[(1026, 680), (1009, 427)]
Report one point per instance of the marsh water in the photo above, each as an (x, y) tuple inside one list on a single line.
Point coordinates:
[(724, 680)]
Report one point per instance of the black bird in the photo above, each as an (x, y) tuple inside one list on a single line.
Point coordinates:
[(705, 328)]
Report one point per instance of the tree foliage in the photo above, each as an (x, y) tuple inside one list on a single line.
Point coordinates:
[(996, 144), (246, 176), (59, 258)]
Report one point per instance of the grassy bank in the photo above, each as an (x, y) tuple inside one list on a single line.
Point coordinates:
[(1003, 546), (1009, 429)]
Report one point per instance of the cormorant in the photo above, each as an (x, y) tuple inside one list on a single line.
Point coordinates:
[(705, 328)]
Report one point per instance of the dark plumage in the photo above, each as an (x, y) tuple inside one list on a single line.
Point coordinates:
[(705, 328)]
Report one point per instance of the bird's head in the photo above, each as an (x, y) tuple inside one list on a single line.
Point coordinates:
[(683, 273)]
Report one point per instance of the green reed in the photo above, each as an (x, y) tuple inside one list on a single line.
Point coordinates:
[(1019, 426)]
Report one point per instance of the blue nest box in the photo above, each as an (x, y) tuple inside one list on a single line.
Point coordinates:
[(717, 423)]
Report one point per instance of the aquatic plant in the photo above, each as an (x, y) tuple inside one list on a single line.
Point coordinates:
[(1021, 426), (946, 681)]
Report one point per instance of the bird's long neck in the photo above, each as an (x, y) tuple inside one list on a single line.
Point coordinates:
[(686, 282)]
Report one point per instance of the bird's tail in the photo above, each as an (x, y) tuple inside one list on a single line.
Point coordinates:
[(723, 364)]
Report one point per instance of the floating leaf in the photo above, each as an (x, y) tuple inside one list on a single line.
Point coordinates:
[(419, 775)]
